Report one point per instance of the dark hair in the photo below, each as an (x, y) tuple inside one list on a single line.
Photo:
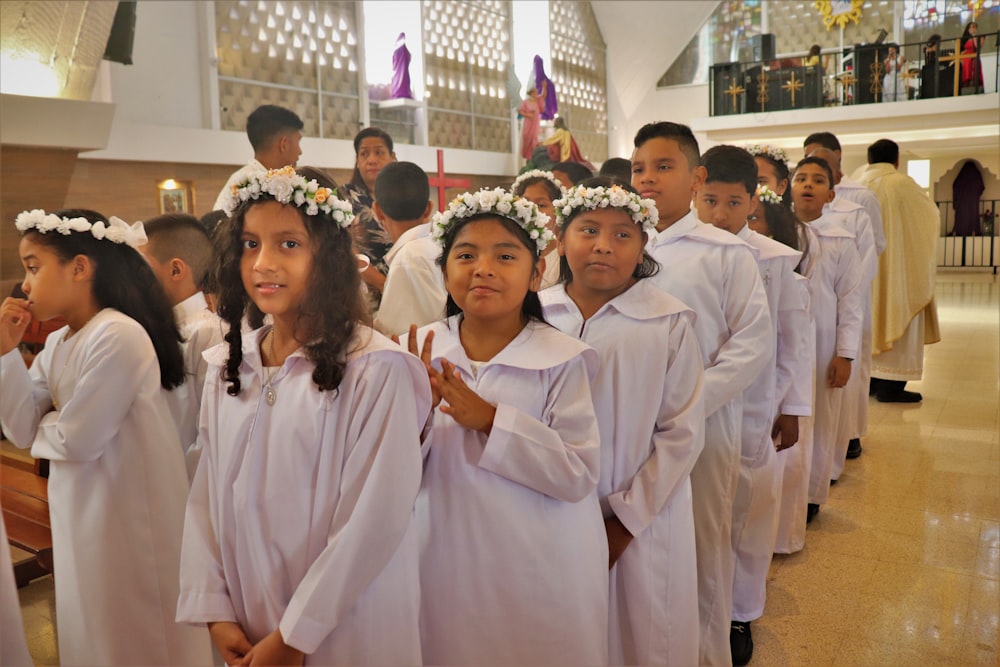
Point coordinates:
[(182, 236), (531, 307), (550, 187), (729, 164), (402, 191), (269, 121), (815, 50), (824, 139), (574, 170), (781, 169), (966, 34), (682, 134), (933, 39), (617, 167), (781, 223), (818, 161), (560, 123), (211, 220), (367, 133), (883, 150), (319, 175), (648, 267), (330, 311), (123, 280)]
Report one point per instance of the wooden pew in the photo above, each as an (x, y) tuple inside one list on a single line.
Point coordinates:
[(25, 501)]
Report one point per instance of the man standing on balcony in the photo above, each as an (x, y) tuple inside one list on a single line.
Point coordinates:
[(904, 316)]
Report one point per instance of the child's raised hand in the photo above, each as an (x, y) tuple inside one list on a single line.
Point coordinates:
[(464, 405), (839, 372), (272, 650), (231, 641), (425, 356), (15, 316)]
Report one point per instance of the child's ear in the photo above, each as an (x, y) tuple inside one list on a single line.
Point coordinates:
[(698, 178), (177, 268), (831, 195), (83, 268), (561, 243), (428, 210)]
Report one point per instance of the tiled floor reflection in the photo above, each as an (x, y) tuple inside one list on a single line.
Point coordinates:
[(902, 566)]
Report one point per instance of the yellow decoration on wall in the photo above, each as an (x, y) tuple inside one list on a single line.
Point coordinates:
[(839, 12)]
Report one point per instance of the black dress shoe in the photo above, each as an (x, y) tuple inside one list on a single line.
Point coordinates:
[(740, 643), (811, 511), (854, 448), (901, 396)]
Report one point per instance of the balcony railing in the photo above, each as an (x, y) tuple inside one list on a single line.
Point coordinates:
[(969, 240)]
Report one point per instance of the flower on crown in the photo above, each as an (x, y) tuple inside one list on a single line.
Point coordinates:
[(767, 195), (773, 152), (497, 202), (115, 229), (642, 211), (536, 173), (288, 187)]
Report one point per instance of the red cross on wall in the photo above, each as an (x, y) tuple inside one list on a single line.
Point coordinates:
[(442, 182)]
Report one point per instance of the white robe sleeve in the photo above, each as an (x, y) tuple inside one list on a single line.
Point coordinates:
[(413, 294), (111, 372), (204, 596), (874, 210), (379, 484), (560, 457), (848, 285), (744, 354), (793, 377), (678, 438), (864, 242), (25, 396)]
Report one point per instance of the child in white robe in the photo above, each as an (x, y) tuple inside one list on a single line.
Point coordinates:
[(299, 545), (93, 405), (514, 555), (180, 252), (715, 274), (725, 200), (414, 289), (795, 383), (650, 439), (542, 188), (835, 274)]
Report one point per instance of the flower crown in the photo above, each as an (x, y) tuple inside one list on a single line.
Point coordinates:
[(497, 202), (642, 211), (773, 152), (288, 187), (537, 173), (115, 230), (767, 195)]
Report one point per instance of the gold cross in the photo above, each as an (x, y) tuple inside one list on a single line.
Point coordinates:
[(847, 79), (762, 89), (792, 87), (735, 91), (876, 85), (955, 59)]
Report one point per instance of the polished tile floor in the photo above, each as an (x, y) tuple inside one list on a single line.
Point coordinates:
[(902, 567)]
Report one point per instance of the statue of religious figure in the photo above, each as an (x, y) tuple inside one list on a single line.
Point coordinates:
[(549, 104), (400, 70)]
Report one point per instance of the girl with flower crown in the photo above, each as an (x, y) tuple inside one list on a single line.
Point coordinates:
[(514, 553), (93, 405), (651, 438), (772, 170), (542, 188), (298, 539)]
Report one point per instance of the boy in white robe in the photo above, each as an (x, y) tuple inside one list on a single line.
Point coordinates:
[(180, 254), (414, 289), (650, 438), (835, 276), (725, 200), (716, 275)]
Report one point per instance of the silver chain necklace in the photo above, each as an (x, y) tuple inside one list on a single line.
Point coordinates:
[(270, 395)]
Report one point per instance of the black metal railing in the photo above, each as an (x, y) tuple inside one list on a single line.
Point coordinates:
[(970, 239), (862, 74)]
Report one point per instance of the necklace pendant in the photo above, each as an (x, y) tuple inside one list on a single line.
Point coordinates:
[(270, 395)]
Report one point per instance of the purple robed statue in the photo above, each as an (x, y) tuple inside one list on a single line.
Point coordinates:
[(550, 106), (400, 70)]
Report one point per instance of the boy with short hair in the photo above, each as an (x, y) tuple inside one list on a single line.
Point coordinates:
[(775, 400), (180, 254), (715, 274), (835, 278), (414, 290)]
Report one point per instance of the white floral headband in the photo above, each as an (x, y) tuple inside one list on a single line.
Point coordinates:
[(115, 230), (288, 187), (767, 195), (642, 211), (773, 152), (498, 202), (536, 173)]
